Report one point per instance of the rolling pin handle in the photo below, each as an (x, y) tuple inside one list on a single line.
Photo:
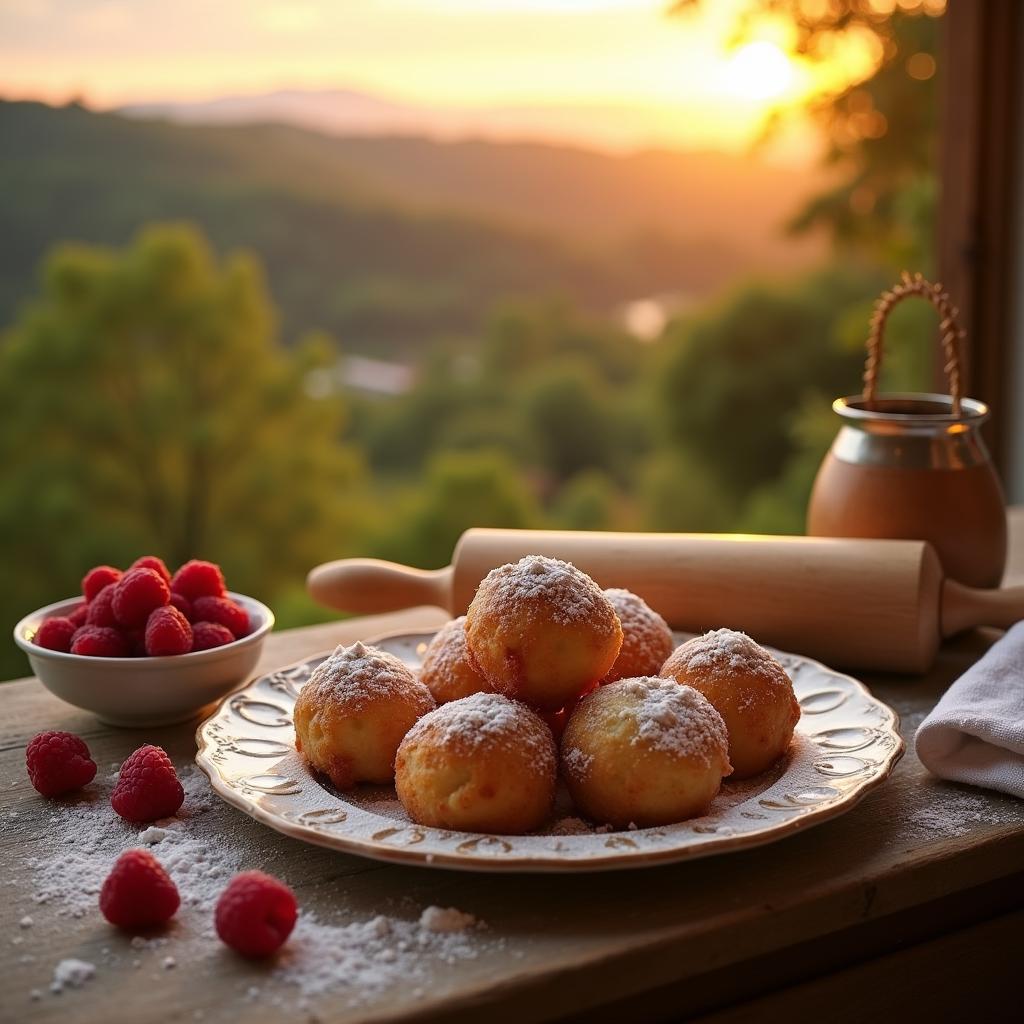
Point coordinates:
[(966, 607), (368, 586)]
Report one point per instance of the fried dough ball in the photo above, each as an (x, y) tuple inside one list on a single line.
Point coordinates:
[(646, 639), (644, 752), (482, 763), (748, 688), (353, 712), (541, 631), (447, 670)]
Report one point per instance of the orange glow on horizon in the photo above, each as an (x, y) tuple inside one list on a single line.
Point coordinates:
[(618, 73)]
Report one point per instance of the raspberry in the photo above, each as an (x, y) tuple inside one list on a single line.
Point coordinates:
[(136, 641), (138, 592), (154, 563), (182, 603), (58, 762), (79, 615), (210, 634), (224, 611), (148, 787), (168, 632), (55, 634), (96, 579), (199, 579), (255, 914), (138, 892), (101, 607), (99, 642)]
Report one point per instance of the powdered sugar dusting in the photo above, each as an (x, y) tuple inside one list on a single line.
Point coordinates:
[(723, 651), (71, 973), (567, 594), (358, 959), (446, 919), (486, 719), (365, 958), (576, 762), (674, 719), (447, 669), (357, 676), (88, 836), (646, 639)]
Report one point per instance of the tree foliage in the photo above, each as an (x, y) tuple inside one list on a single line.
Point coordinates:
[(878, 121), (149, 407)]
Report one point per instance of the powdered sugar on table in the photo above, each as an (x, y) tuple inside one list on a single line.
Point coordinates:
[(357, 959)]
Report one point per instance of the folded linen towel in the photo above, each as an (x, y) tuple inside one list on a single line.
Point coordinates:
[(975, 734)]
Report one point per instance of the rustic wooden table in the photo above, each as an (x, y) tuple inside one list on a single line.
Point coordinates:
[(911, 901)]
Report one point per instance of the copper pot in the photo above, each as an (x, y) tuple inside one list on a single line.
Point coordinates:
[(915, 466)]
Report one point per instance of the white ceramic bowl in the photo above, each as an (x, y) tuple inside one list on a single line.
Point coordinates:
[(145, 691)]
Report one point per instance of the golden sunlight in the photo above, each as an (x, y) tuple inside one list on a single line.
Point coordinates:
[(760, 71)]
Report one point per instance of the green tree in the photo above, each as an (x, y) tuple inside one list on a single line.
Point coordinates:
[(459, 490), (149, 407), (570, 418), (679, 494), (586, 502), (730, 380)]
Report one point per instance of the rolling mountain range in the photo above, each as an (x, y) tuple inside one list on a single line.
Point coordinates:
[(387, 241)]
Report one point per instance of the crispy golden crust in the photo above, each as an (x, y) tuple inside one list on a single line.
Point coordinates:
[(353, 712), (542, 632), (646, 639), (749, 689), (644, 752), (448, 670), (482, 763)]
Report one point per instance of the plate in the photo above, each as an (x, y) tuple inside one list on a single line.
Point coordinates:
[(847, 742)]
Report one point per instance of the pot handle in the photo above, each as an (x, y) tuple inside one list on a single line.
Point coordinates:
[(952, 333)]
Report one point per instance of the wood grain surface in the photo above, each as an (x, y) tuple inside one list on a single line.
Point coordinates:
[(917, 858)]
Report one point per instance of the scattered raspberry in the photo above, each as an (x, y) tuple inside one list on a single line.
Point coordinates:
[(168, 632), (154, 563), (55, 634), (148, 787), (101, 607), (199, 579), (58, 762), (210, 634), (79, 615), (138, 592), (99, 642), (255, 914), (224, 611), (182, 603), (96, 579), (138, 892)]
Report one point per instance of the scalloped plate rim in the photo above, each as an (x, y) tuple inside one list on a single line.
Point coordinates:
[(553, 863)]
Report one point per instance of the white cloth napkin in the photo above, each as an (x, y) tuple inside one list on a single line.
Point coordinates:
[(975, 733)]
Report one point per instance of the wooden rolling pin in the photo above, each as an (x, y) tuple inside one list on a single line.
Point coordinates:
[(875, 604)]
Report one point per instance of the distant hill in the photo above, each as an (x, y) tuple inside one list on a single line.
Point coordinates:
[(389, 242), (463, 158), (608, 126)]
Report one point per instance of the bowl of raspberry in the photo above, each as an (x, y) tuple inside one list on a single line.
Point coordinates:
[(145, 647)]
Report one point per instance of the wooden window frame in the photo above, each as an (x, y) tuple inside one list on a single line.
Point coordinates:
[(979, 193)]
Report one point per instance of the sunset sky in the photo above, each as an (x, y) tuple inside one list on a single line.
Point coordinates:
[(668, 80)]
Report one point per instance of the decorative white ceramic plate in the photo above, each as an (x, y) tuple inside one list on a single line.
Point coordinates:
[(846, 743)]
